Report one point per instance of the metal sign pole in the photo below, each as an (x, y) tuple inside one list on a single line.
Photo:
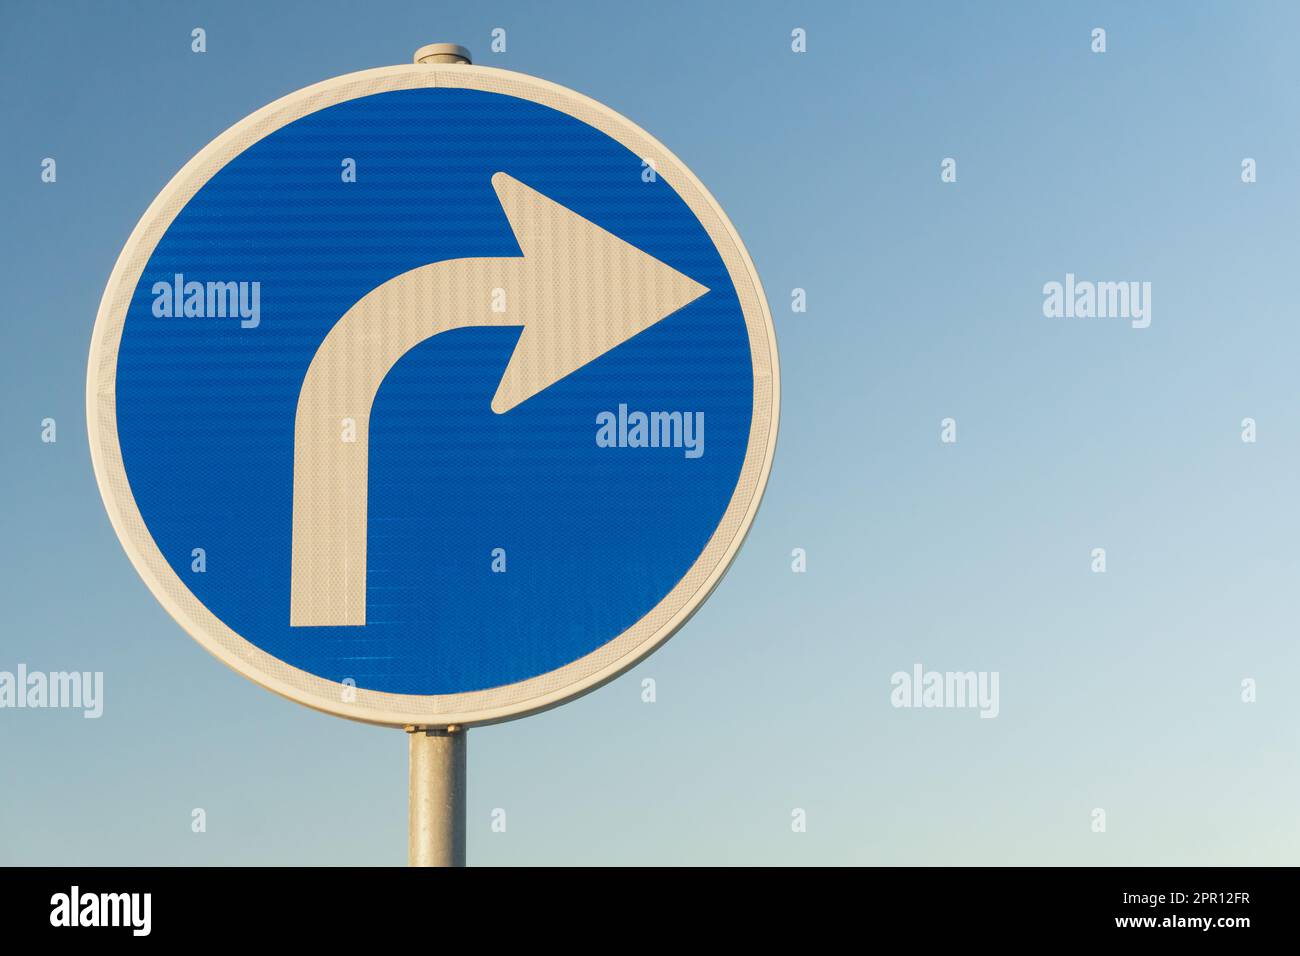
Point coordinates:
[(436, 835)]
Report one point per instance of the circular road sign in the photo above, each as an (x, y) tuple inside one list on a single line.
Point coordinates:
[(432, 395)]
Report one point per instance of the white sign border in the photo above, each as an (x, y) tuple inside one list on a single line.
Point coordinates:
[(474, 708)]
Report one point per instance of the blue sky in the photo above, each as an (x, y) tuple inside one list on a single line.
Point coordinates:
[(1119, 691)]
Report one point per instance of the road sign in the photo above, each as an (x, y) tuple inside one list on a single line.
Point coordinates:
[(432, 395)]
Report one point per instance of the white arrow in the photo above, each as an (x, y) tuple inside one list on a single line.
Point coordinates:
[(578, 292)]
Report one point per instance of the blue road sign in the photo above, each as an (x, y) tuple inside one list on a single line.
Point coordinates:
[(433, 394)]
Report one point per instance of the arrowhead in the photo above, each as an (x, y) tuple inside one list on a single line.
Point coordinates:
[(583, 291)]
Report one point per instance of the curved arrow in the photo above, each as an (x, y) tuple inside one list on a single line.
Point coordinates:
[(578, 292)]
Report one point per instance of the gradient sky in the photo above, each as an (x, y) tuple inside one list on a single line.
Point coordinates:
[(1119, 691)]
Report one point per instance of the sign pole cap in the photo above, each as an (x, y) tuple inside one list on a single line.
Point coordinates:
[(442, 53)]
